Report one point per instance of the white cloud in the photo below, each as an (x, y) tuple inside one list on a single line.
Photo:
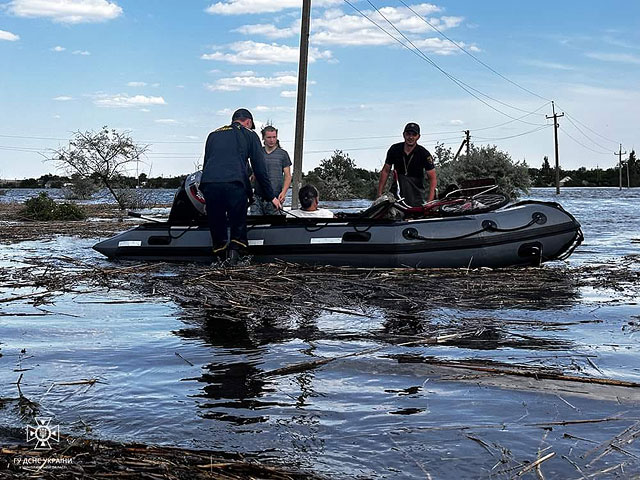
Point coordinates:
[(615, 57), (240, 82), (224, 112), (549, 65), (289, 93), (124, 101), (252, 53), (81, 52), (58, 48), (63, 98), (167, 121), (67, 11), (584, 91), (8, 36), (338, 28), (267, 30), (456, 122), (442, 47), (136, 84), (244, 7), (244, 73), (264, 109)]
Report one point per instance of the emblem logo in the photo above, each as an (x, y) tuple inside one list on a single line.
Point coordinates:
[(43, 433)]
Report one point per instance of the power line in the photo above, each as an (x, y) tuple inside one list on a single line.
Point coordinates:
[(516, 135), (591, 130), (471, 55), (584, 134), (415, 50), (456, 80), (582, 144)]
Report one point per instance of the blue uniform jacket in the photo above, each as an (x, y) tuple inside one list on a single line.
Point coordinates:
[(225, 158)]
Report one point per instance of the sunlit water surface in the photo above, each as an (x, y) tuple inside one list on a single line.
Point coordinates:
[(169, 379)]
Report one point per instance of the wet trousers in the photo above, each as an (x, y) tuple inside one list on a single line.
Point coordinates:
[(226, 209)]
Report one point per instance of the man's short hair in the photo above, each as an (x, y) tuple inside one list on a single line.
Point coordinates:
[(268, 128), (241, 114), (307, 194)]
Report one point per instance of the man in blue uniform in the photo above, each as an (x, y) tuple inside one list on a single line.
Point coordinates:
[(225, 183)]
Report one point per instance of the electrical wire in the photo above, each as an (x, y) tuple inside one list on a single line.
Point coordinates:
[(415, 50), (473, 56), (584, 134), (582, 144), (516, 135)]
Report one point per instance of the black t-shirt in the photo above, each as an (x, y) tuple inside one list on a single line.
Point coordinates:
[(413, 165)]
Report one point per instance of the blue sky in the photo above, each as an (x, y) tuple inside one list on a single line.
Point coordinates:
[(169, 72)]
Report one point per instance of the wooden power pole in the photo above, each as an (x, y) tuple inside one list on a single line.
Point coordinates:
[(302, 101), (619, 153), (555, 136), (468, 138), (466, 141)]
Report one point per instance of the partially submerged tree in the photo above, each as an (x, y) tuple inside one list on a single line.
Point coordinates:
[(338, 178), (79, 188), (105, 156), (484, 162)]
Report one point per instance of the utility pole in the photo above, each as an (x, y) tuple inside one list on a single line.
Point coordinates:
[(302, 101), (619, 153), (468, 135), (466, 141), (555, 136)]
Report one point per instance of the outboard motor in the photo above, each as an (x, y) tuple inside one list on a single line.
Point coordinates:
[(188, 206)]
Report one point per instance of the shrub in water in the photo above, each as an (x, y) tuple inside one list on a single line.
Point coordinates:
[(43, 207)]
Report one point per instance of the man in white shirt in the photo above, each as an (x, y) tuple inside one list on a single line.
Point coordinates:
[(308, 196)]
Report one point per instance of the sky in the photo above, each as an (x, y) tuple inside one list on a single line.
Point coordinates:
[(169, 72)]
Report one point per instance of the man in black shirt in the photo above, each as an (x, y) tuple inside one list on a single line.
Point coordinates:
[(411, 164)]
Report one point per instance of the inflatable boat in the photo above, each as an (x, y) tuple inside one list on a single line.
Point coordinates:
[(525, 233)]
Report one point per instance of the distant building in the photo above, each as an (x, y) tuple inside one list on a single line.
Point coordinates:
[(565, 180)]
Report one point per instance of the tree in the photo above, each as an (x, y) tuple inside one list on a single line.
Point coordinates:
[(79, 187), (105, 156), (338, 178), (634, 169), (512, 177)]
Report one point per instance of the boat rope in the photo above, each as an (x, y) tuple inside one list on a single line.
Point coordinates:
[(412, 234), (487, 226), (575, 243)]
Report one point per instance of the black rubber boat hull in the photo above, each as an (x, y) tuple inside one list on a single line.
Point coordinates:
[(526, 233)]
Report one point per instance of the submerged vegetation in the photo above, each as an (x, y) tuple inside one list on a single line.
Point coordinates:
[(45, 208)]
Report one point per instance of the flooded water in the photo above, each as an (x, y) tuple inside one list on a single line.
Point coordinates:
[(165, 377)]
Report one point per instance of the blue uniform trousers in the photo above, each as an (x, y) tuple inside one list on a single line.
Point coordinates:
[(226, 208)]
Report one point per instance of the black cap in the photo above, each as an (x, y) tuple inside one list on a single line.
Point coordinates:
[(242, 113), (412, 127)]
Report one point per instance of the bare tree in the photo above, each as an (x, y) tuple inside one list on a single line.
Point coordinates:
[(105, 156)]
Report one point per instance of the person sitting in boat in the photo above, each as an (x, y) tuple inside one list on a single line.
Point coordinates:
[(411, 164), (308, 196), (279, 171)]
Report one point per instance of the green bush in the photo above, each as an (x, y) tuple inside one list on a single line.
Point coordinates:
[(338, 178), (487, 161), (44, 208)]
